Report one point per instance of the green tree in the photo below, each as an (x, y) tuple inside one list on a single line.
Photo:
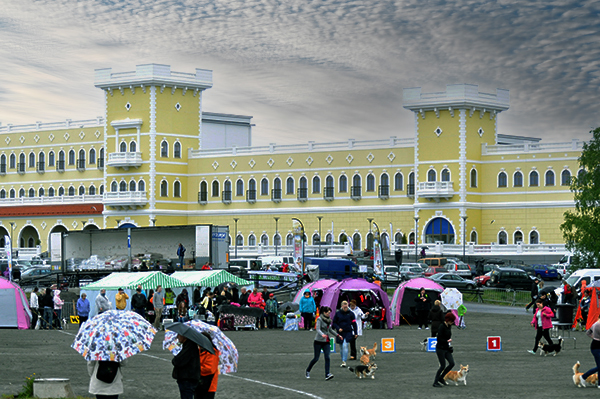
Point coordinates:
[(581, 228)]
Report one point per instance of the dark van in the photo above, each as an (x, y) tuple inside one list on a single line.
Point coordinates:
[(337, 269), (509, 278)]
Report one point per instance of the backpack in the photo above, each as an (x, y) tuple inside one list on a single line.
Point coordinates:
[(107, 371)]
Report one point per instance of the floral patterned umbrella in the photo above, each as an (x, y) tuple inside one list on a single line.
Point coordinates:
[(228, 360), (114, 335), (452, 298)]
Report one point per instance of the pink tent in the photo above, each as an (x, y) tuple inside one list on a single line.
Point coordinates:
[(314, 286), (14, 308), (365, 294), (403, 300)]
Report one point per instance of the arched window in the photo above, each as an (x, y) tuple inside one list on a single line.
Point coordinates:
[(316, 185), (215, 188), (398, 182), (132, 146), (264, 186), (42, 159), (289, 186), (61, 158), (41, 192), (92, 156), (289, 240), (101, 158), (315, 239), (534, 237), (303, 188), (21, 193), (177, 150), (92, 190), (132, 185), (164, 149), (31, 160), (445, 175), (518, 237), (502, 179), (518, 179), (356, 184), (239, 188), (142, 186), (252, 190), (410, 189), (31, 192), (101, 191), (343, 186), (534, 179), (13, 161), (240, 240), (82, 156), (51, 192), (370, 182), (252, 240), (356, 242), (431, 175), (3, 162), (81, 190), (114, 186), (123, 186), (71, 191), (549, 178), (123, 147), (12, 193), (384, 180), (343, 238), (71, 157), (177, 189), (474, 237), (329, 183), (580, 174), (203, 191), (227, 189), (502, 238), (439, 229), (164, 188), (264, 240), (329, 239), (51, 158), (385, 242), (22, 159), (2, 193), (277, 240), (565, 178), (398, 238), (473, 178)]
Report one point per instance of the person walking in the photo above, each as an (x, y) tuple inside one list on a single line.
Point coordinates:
[(307, 309), (181, 254), (138, 302), (209, 372), (584, 306), (422, 307), (344, 322), (48, 305), (35, 307), (436, 315), (186, 367), (58, 304), (594, 334), (83, 309), (360, 316), (542, 322), (121, 299), (533, 293), (322, 341), (150, 315), (102, 302), (159, 305), (271, 308), (106, 379), (443, 350)]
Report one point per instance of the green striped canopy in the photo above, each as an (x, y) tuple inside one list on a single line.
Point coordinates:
[(148, 280), (208, 278)]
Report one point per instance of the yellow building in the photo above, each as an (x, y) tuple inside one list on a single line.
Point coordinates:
[(155, 158)]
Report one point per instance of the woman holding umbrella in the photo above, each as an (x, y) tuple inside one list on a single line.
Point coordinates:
[(106, 380), (186, 367), (209, 371)]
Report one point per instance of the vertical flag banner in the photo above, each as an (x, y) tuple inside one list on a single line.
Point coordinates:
[(298, 229), (8, 246), (377, 255)]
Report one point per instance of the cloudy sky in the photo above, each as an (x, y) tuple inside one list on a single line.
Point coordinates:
[(323, 70)]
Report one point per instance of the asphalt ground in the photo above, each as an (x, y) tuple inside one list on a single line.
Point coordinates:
[(272, 364)]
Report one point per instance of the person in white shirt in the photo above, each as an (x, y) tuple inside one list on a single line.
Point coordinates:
[(360, 316), (34, 305)]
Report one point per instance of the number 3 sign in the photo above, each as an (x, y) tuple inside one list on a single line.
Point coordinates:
[(388, 345), (494, 344)]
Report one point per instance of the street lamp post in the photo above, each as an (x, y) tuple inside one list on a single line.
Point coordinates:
[(319, 217), (276, 234), (12, 226), (464, 218), (416, 240), (235, 234)]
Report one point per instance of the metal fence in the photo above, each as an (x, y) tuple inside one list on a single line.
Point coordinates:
[(498, 296)]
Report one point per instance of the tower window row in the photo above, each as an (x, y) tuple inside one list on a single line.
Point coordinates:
[(518, 179), (51, 192), (39, 161)]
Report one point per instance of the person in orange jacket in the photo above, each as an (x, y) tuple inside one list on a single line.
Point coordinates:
[(209, 372)]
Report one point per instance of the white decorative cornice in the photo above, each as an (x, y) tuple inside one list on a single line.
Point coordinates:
[(152, 75), (456, 96)]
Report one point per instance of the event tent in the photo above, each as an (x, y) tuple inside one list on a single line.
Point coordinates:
[(129, 282), (208, 278), (357, 288), (403, 300), (14, 308), (319, 285)]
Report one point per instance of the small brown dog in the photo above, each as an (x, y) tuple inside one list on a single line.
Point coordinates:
[(457, 376), (578, 381)]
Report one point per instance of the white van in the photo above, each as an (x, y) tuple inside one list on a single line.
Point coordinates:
[(575, 279), (277, 260), (564, 264)]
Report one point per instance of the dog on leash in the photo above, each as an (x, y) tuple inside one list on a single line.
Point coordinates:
[(547, 349), (363, 371), (592, 380)]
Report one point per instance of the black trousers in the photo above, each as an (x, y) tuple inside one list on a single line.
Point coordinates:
[(541, 333), (34, 317), (443, 356), (204, 386), (271, 320), (422, 316), (353, 348), (308, 320)]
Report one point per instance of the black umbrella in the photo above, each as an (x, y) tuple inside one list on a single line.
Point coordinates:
[(292, 305), (192, 335)]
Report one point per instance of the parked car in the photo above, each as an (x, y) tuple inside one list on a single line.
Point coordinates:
[(433, 270), (564, 270), (410, 272), (530, 270), (488, 268), (453, 280), (390, 274), (434, 261), (40, 276), (546, 272), (484, 279), (510, 278), (460, 268)]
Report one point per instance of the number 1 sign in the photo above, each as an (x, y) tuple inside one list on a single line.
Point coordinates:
[(494, 344)]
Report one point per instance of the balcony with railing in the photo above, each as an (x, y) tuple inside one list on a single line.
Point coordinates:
[(276, 195), (125, 199), (81, 165), (436, 190), (303, 194), (384, 192), (125, 160), (60, 166), (41, 167), (328, 193), (21, 168), (356, 192), (54, 200), (226, 196), (203, 197), (251, 196)]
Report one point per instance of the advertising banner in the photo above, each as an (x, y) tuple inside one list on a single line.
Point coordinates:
[(377, 254)]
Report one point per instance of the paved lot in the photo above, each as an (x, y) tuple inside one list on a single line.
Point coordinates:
[(272, 364)]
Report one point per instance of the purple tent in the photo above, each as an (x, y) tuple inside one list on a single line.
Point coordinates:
[(403, 301), (314, 286), (365, 293)]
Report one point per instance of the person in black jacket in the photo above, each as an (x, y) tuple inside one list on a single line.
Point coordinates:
[(47, 303), (344, 323), (534, 293), (422, 308), (138, 302), (443, 350), (436, 315), (186, 367)]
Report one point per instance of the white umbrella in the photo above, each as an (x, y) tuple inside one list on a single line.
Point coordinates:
[(452, 298)]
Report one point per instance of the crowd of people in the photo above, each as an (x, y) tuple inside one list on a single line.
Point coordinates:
[(46, 308)]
